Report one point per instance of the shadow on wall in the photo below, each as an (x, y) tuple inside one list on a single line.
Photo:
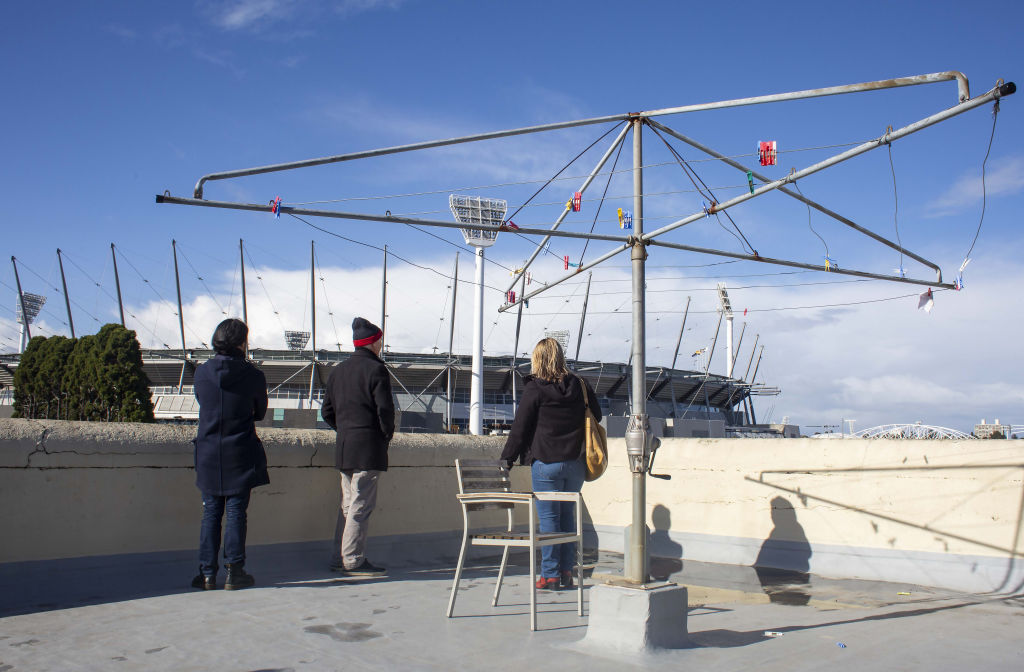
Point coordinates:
[(666, 555), (783, 563)]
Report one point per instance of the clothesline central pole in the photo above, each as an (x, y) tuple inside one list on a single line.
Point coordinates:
[(637, 433)]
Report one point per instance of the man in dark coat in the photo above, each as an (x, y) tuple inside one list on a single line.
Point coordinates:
[(229, 456), (359, 406)]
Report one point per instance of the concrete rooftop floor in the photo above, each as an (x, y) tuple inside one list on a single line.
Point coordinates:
[(137, 613)]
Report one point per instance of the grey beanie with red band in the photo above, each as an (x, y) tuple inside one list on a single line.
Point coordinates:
[(365, 332)]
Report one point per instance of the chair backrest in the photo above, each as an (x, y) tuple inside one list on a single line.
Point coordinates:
[(483, 476)]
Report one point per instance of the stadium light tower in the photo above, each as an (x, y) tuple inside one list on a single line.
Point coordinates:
[(726, 307), (478, 211), (296, 340), (33, 304)]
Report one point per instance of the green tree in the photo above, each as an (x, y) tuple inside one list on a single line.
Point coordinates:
[(27, 381), (123, 387), (80, 381)]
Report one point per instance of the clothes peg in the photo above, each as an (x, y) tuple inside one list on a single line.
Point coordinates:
[(750, 181), (767, 152), (275, 207), (566, 259), (577, 201)]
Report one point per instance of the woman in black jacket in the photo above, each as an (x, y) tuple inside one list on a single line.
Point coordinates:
[(229, 456), (547, 434)]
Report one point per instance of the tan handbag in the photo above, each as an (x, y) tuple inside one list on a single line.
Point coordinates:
[(595, 440)]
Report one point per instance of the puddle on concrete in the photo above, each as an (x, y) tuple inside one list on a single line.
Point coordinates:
[(345, 632)]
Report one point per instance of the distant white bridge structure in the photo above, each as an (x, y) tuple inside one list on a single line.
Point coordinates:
[(911, 431)]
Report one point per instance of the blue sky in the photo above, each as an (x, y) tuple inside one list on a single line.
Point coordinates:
[(111, 103)]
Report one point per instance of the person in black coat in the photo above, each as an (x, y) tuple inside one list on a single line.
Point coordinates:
[(358, 404), (229, 456), (548, 435)]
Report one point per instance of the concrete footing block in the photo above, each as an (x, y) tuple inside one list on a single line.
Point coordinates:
[(631, 619)]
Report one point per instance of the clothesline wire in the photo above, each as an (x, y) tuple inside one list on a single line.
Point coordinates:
[(809, 222), (547, 248), (984, 192), (754, 310), (496, 185), (713, 289), (600, 203), (710, 195), (896, 208), (381, 249)]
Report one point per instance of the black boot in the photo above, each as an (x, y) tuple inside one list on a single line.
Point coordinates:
[(237, 578), (204, 582)]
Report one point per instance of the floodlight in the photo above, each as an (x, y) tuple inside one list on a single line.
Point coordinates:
[(296, 339), (562, 336), (479, 211), (723, 299), (33, 304), (725, 305)]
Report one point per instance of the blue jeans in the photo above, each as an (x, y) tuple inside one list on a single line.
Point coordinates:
[(557, 516), (214, 507)]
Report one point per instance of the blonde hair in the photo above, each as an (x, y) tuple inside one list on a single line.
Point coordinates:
[(548, 362)]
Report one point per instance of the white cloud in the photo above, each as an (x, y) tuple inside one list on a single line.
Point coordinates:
[(124, 32), (257, 15), (350, 7), (879, 363), (243, 14), (1007, 177)]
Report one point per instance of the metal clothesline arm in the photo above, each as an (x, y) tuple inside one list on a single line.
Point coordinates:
[(604, 257), (799, 264), (796, 195), (962, 88), (963, 92), (994, 94), (567, 210), (393, 219)]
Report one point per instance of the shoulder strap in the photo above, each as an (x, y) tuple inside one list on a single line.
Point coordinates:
[(586, 401)]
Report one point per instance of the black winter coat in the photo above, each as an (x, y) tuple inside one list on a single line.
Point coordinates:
[(549, 421), (359, 405), (232, 396)]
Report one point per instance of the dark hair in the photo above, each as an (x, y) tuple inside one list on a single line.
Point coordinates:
[(229, 337)]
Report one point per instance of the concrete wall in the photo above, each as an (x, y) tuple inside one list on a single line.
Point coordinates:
[(70, 489), (937, 513)]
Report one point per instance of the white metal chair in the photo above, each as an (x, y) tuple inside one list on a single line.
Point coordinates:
[(485, 484)]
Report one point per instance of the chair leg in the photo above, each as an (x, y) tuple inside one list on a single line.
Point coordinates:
[(579, 555), (579, 576), (501, 575), (533, 588), (458, 574)]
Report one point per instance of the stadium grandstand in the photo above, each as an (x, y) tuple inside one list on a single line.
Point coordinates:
[(680, 402)]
